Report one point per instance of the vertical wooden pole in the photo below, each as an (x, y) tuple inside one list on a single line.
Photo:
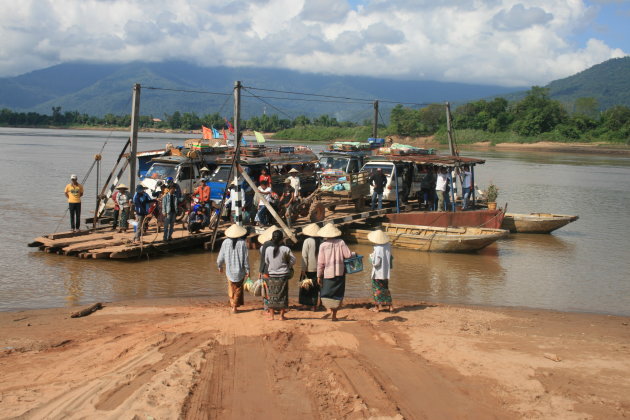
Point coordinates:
[(135, 115), (449, 130), (375, 123), (238, 204)]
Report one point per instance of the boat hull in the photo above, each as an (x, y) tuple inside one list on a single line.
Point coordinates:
[(474, 218), (432, 239), (535, 222)]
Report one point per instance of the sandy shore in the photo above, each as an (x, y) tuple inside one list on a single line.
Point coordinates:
[(190, 358)]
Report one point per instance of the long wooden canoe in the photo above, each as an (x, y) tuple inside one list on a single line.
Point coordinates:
[(535, 222), (434, 239)]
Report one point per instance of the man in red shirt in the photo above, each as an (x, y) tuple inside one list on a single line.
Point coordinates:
[(202, 193)]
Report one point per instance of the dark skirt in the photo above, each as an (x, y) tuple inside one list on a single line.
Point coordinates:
[(309, 297), (380, 290), (333, 291), (277, 292)]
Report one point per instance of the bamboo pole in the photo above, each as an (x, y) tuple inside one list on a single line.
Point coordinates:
[(273, 212), (135, 116)]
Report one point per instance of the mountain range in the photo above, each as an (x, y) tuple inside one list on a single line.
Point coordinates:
[(99, 89)]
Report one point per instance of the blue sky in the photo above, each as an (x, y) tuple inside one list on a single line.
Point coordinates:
[(505, 42)]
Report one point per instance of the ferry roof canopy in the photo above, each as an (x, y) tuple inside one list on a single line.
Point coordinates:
[(433, 160)]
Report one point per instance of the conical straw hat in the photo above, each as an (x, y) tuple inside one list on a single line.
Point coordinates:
[(378, 237), (266, 234), (311, 230), (294, 171), (329, 231), (235, 231), (122, 186)]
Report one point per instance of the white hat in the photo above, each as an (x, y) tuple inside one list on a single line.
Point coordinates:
[(235, 231), (122, 186), (204, 169), (266, 234), (287, 180), (294, 171), (73, 176), (311, 230), (378, 237), (329, 231)]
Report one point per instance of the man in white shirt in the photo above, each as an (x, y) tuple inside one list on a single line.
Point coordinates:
[(295, 181), (466, 186), (440, 188), (262, 216)]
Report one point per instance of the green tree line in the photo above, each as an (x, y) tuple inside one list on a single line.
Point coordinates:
[(534, 118), (175, 121)]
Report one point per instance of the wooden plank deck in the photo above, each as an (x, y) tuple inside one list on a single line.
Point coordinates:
[(103, 243)]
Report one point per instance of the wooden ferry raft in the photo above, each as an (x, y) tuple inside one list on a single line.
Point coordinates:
[(102, 243)]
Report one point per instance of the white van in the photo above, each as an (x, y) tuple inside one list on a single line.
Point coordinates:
[(406, 174)]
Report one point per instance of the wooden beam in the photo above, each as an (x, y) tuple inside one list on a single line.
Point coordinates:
[(271, 210)]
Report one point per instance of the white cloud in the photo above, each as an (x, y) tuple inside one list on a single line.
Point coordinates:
[(509, 42)]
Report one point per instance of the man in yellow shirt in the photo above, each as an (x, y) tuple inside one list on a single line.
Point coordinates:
[(74, 192)]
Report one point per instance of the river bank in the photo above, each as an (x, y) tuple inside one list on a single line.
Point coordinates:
[(185, 358)]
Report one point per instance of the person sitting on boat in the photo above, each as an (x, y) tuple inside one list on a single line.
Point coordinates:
[(382, 262), (202, 194), (197, 219), (295, 182)]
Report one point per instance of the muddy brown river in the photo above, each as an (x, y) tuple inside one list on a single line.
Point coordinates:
[(584, 266)]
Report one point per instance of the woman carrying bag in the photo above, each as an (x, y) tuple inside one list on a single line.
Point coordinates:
[(331, 272), (235, 257), (279, 260), (309, 288), (382, 263)]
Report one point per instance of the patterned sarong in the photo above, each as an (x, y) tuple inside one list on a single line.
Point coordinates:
[(277, 292), (235, 293), (333, 291), (380, 290), (310, 296)]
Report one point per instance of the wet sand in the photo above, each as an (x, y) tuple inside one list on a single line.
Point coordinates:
[(191, 358)]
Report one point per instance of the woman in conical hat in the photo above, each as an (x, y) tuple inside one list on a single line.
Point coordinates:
[(309, 289), (382, 261), (235, 257), (331, 272), (279, 261)]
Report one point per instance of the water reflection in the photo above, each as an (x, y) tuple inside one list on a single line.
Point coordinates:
[(583, 266)]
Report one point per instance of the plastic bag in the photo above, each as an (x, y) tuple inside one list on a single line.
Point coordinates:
[(258, 287), (248, 285)]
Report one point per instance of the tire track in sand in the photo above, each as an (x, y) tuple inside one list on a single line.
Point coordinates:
[(250, 368)]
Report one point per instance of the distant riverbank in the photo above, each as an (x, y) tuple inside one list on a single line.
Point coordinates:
[(599, 148)]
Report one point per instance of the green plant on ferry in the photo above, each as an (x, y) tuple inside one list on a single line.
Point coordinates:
[(492, 192)]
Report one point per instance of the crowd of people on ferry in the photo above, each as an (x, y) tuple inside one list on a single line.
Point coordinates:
[(322, 278), (435, 187)]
